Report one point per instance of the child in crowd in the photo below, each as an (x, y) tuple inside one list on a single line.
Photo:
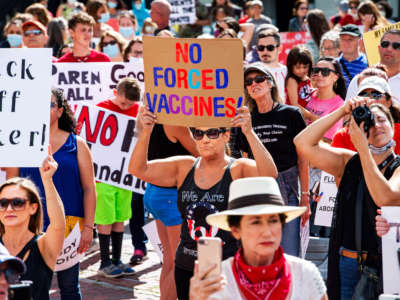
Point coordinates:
[(297, 83)]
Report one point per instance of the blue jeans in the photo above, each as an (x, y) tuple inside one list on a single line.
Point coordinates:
[(288, 182), (349, 277), (68, 282)]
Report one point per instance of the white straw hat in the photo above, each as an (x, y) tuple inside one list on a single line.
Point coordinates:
[(254, 196)]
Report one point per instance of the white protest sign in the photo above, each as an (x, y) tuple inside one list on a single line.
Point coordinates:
[(25, 91), (111, 139), (183, 12), (151, 232), (391, 251), (94, 82), (2, 176), (69, 256), (327, 195), (304, 238)]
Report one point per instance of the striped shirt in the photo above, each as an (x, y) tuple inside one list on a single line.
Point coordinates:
[(353, 67)]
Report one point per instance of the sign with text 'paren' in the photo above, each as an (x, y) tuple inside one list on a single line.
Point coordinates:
[(25, 93), (193, 82)]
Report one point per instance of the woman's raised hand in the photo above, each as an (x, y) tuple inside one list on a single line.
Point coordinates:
[(49, 166), (201, 286), (382, 225), (243, 120), (146, 118)]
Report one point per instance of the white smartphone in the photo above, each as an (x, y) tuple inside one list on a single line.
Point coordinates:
[(209, 252)]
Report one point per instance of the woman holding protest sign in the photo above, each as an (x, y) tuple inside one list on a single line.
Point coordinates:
[(203, 183), (21, 225), (79, 195), (369, 179)]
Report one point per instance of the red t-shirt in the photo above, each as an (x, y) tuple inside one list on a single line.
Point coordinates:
[(342, 139), (108, 104), (94, 56)]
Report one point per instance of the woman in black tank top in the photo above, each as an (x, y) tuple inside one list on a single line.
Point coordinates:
[(21, 223), (202, 183), (369, 179)]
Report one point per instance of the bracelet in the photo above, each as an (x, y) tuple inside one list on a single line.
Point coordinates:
[(88, 226), (305, 193)]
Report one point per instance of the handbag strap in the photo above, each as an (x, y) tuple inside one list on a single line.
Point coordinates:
[(358, 214), (346, 70)]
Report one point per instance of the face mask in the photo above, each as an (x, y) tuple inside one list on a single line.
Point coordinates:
[(126, 31), (71, 1), (104, 18), (148, 29), (111, 50), (138, 6), (112, 5), (15, 40)]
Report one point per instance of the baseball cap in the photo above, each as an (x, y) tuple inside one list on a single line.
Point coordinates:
[(344, 5), (257, 2), (34, 23), (350, 29), (376, 83), (14, 262), (259, 67)]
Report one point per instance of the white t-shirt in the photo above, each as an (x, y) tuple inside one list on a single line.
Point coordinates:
[(280, 75), (307, 283), (394, 83)]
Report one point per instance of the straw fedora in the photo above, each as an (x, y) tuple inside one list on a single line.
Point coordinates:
[(254, 196)]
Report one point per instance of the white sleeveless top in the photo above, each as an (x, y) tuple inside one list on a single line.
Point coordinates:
[(307, 283)]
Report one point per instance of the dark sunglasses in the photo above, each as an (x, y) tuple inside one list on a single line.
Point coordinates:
[(303, 8), (34, 32), (109, 43), (12, 276), (324, 71), (16, 203), (353, 7), (212, 133), (374, 94), (268, 47), (257, 79), (395, 45)]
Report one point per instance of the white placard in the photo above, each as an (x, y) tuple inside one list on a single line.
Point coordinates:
[(304, 238), (2, 176), (183, 12), (69, 255), (25, 89), (111, 139), (391, 251), (94, 82), (152, 234), (327, 195)]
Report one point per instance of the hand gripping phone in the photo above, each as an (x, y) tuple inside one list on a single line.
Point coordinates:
[(209, 252)]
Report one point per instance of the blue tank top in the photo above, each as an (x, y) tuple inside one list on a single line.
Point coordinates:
[(66, 180)]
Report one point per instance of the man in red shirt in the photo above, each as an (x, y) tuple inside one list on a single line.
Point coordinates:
[(81, 30)]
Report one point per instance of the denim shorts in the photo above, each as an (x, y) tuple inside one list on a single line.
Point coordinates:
[(162, 204)]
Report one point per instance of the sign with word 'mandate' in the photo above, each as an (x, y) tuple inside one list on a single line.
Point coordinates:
[(193, 82)]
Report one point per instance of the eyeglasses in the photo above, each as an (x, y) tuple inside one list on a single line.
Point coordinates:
[(212, 133), (268, 47), (353, 7), (324, 71), (16, 204), (12, 276), (374, 94), (109, 43), (395, 45), (303, 8), (34, 32), (257, 79)]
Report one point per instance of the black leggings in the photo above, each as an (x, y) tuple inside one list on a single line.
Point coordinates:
[(182, 282)]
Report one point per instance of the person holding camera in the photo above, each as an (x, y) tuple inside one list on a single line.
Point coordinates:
[(369, 178)]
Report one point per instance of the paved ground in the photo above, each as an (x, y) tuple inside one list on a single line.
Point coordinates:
[(143, 285)]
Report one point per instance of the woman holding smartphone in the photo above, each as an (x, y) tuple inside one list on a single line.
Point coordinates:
[(203, 183)]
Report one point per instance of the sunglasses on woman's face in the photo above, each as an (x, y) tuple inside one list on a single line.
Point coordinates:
[(257, 79), (109, 43), (374, 94), (12, 277), (386, 44), (16, 204), (324, 71), (212, 133)]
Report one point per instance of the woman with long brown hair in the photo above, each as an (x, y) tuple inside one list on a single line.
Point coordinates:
[(370, 16), (317, 26)]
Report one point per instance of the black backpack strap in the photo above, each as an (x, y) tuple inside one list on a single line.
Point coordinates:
[(358, 214), (345, 69), (27, 247)]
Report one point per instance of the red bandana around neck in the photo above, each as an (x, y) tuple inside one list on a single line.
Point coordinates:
[(270, 282)]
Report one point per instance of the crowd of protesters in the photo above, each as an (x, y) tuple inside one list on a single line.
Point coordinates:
[(296, 122)]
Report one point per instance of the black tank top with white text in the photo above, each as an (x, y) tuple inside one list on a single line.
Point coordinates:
[(195, 204)]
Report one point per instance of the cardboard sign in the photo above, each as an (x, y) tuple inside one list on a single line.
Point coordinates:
[(327, 195), (69, 256), (371, 41), (290, 39), (25, 92), (150, 229), (391, 251), (193, 82), (183, 12), (111, 139), (94, 82)]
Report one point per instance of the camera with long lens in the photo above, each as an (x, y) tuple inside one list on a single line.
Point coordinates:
[(364, 114), (20, 291)]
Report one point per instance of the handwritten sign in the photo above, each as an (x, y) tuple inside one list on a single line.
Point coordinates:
[(151, 232), (110, 136), (193, 82), (25, 91), (372, 40), (328, 191), (94, 82), (289, 40), (69, 256), (182, 12), (391, 251)]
